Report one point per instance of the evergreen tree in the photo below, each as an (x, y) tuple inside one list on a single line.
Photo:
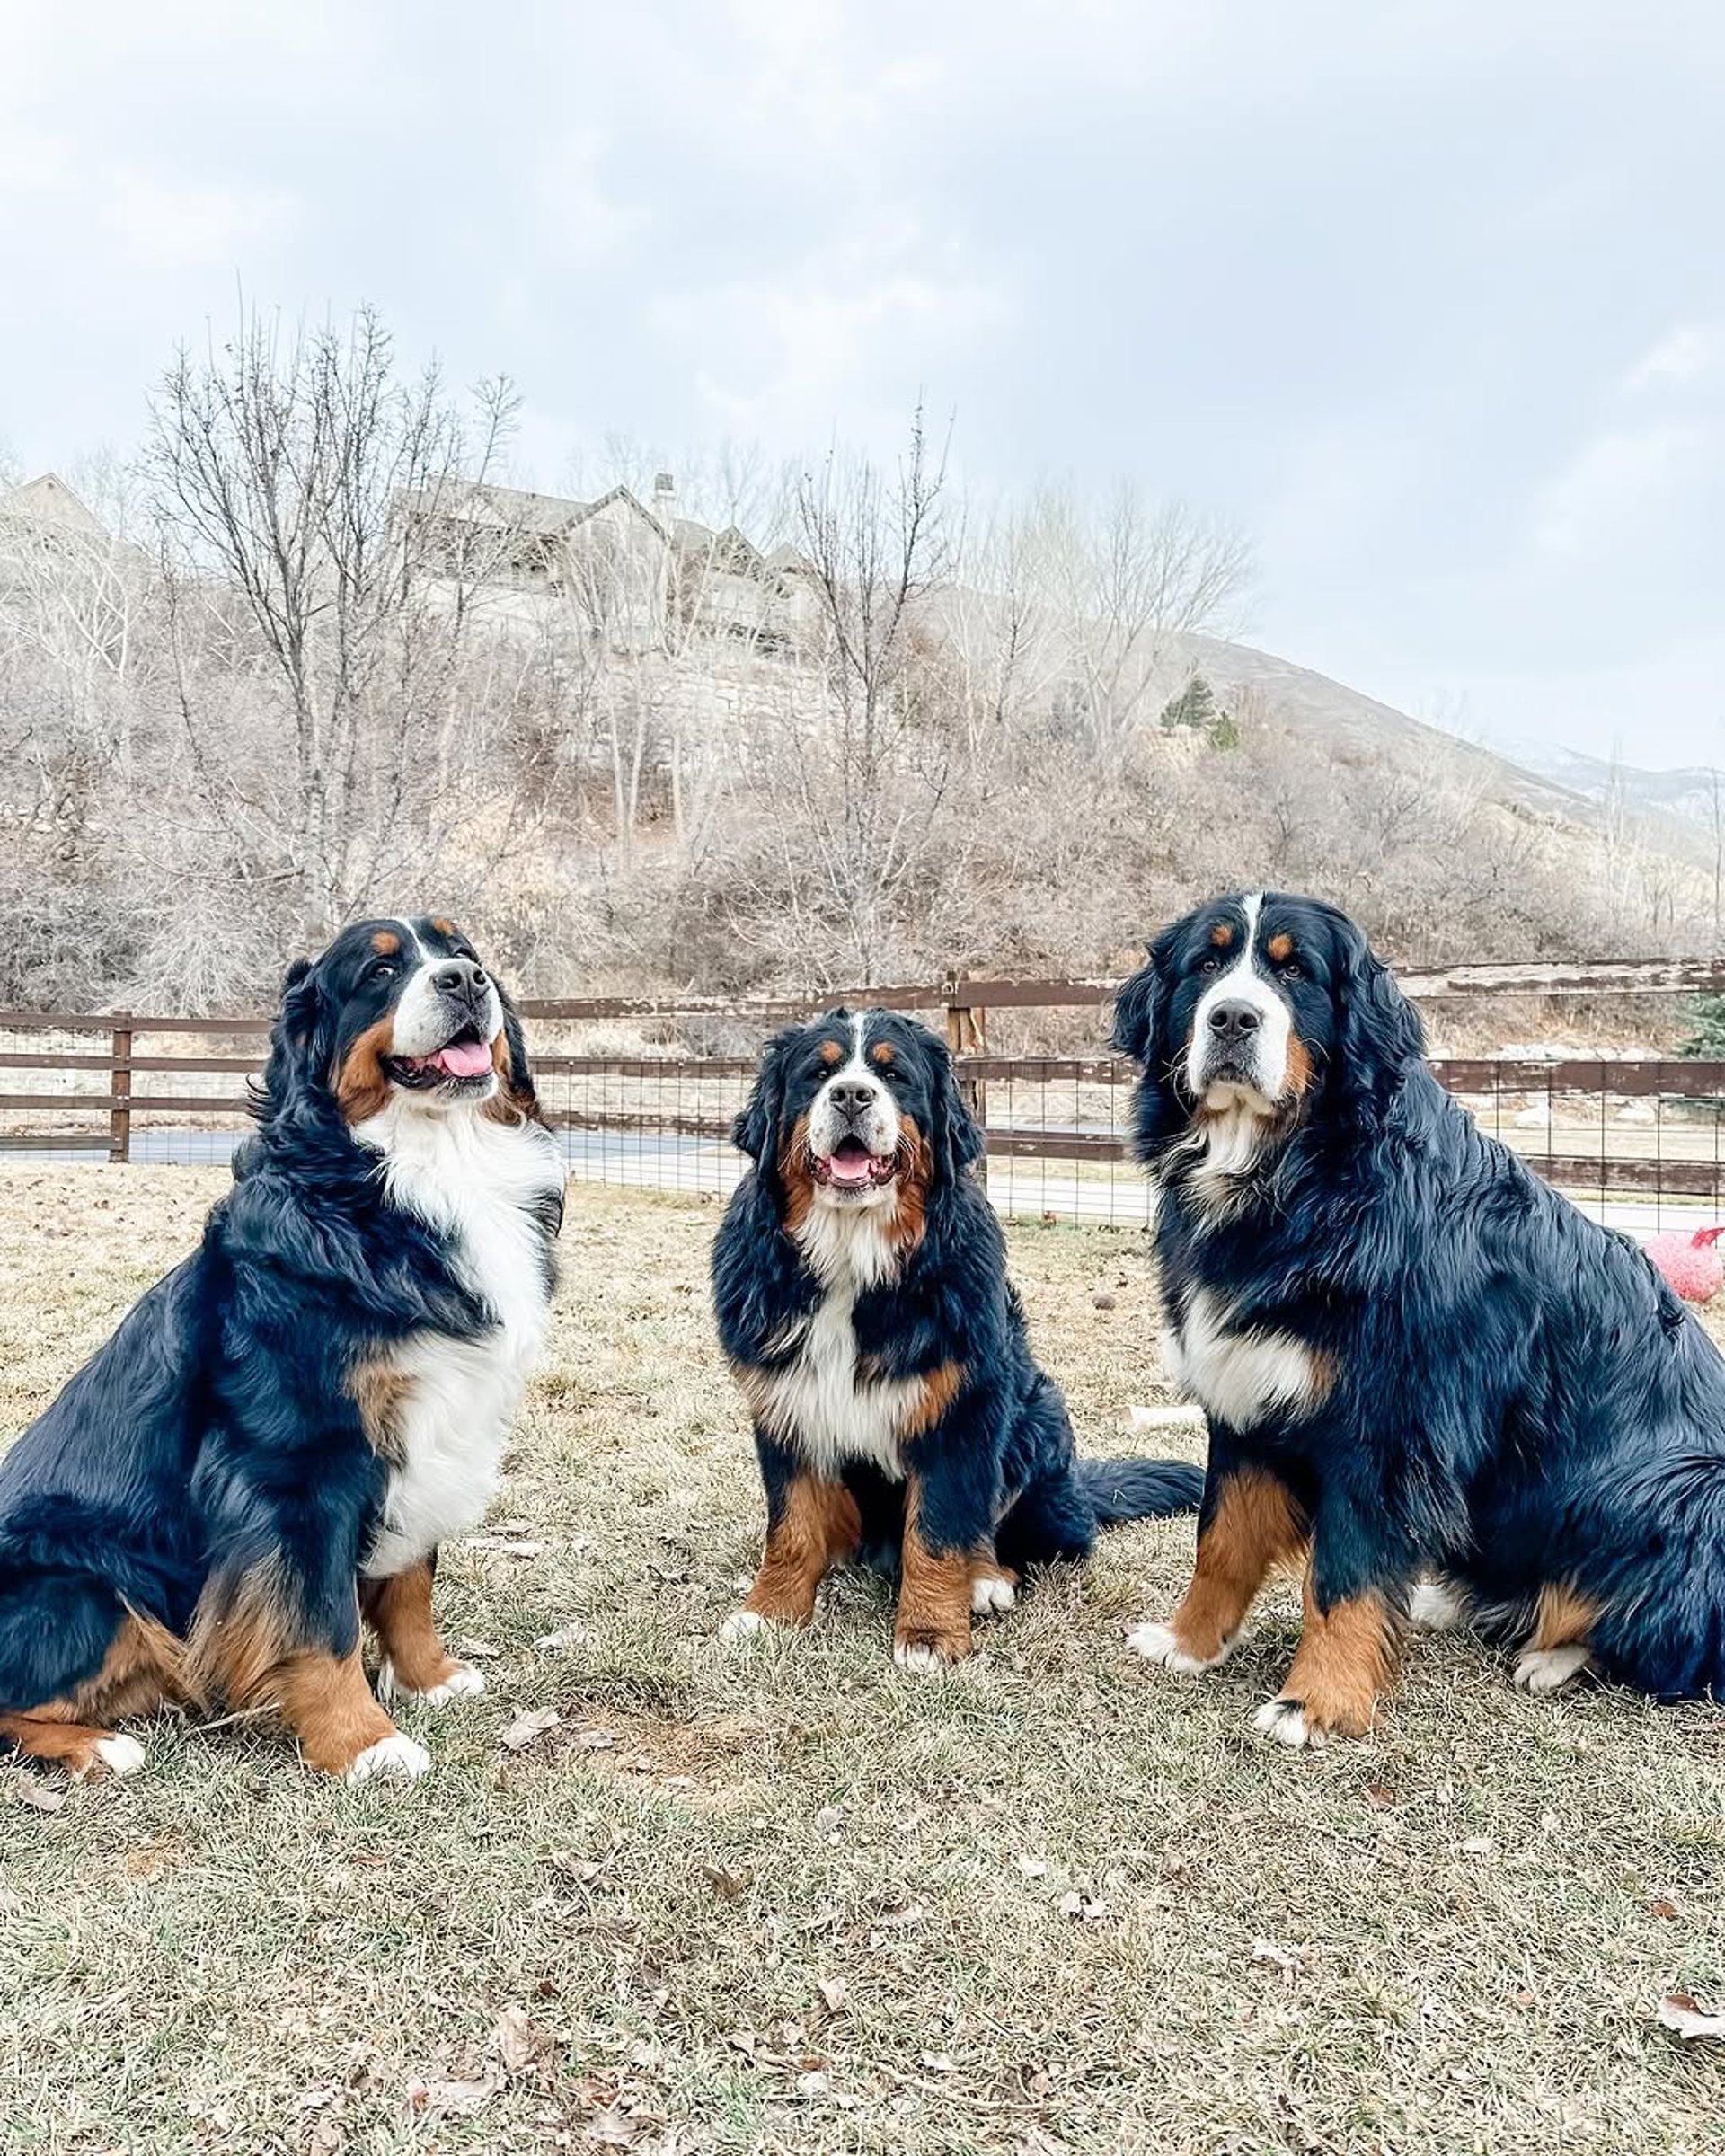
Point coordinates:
[(1194, 707), (1706, 1043)]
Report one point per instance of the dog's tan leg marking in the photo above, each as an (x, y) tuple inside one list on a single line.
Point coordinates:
[(1345, 1662), (415, 1659), (818, 1525), (1254, 1526), (934, 1625)]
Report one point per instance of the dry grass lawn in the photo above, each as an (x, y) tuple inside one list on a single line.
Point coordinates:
[(796, 1901)]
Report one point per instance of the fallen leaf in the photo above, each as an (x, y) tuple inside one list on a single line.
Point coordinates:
[(726, 1885), (595, 1740), (814, 2084), (39, 1794), (614, 2130), (528, 1728), (1288, 1960), (902, 1914), (1682, 2012), (828, 1819), (560, 1643), (1379, 1795), (455, 2098), (1033, 1868), (1663, 1906), (834, 1992), (520, 2041)]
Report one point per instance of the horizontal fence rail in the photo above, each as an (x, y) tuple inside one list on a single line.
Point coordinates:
[(644, 1091)]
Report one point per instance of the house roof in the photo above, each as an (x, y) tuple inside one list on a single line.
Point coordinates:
[(49, 501)]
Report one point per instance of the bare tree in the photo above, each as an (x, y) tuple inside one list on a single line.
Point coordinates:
[(308, 500)]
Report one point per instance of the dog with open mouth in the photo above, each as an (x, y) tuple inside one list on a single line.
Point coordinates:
[(862, 1298), (280, 1434)]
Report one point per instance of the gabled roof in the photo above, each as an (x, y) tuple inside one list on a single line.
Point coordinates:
[(49, 501)]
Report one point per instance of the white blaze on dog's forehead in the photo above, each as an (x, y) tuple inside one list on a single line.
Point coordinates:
[(1266, 1058)]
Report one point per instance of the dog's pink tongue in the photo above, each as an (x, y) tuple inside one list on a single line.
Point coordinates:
[(464, 1059), (849, 1167)]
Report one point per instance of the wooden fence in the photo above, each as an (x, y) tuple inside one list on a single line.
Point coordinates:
[(1628, 1126)]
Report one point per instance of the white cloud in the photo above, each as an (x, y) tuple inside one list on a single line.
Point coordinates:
[(1685, 354)]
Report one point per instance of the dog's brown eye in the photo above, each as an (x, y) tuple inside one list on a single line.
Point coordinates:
[(1292, 970), (380, 969), (1210, 965)]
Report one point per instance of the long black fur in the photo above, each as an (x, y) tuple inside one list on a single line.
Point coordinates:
[(1520, 1401), (217, 1431), (1000, 1461)]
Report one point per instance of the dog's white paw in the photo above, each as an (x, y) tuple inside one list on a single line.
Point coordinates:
[(460, 1684), (1435, 1606), (1156, 1643), (1550, 1668), (393, 1758), (742, 1624), (990, 1591), (119, 1754), (1285, 1720), (920, 1660)]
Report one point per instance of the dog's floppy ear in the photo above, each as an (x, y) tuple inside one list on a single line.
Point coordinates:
[(756, 1131), (301, 1042), (1141, 1004), (1381, 1035), (518, 1085), (957, 1137)]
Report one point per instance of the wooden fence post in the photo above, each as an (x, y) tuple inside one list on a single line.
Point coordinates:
[(967, 1034), (119, 1085)]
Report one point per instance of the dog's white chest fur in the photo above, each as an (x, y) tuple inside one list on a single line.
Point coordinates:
[(481, 1183), (818, 1402), (1240, 1378)]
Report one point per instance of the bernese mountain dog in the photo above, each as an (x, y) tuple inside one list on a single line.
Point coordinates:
[(282, 1431), (861, 1291), (1427, 1375)]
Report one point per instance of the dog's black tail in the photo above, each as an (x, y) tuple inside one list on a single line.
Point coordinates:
[(1138, 1490)]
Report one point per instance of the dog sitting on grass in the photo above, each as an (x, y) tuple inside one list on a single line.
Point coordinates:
[(861, 1291), (279, 1434), (1416, 1357)]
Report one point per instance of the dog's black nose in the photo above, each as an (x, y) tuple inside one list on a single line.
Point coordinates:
[(851, 1099), (461, 977), (1235, 1021)]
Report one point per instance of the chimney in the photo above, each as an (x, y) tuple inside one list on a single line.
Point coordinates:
[(664, 496)]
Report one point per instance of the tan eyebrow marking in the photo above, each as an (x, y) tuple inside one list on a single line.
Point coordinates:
[(443, 927), (882, 1052), (830, 1052), (386, 943), (1222, 935), (1280, 947)]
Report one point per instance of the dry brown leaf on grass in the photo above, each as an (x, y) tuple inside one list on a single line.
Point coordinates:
[(39, 1794), (528, 1728), (454, 2098), (521, 2042), (727, 1885), (1683, 2012), (1081, 1909), (1662, 1906), (1288, 1960)]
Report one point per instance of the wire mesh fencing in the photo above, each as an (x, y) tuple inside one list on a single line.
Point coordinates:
[(644, 1096)]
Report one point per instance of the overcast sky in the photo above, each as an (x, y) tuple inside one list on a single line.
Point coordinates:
[(1430, 298)]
